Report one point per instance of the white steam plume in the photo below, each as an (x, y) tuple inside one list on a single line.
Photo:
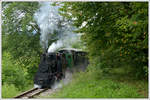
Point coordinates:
[(55, 45), (49, 21), (47, 18), (64, 81)]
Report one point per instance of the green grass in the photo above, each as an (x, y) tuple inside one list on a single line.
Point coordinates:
[(10, 91), (94, 84), (13, 78)]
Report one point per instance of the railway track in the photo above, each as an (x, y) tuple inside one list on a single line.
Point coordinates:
[(31, 93)]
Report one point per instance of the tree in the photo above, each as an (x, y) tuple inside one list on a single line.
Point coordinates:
[(20, 34), (115, 34)]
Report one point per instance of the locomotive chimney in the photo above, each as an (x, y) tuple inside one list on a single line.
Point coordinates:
[(46, 50)]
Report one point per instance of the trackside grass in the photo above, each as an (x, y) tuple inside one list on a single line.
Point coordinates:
[(93, 84)]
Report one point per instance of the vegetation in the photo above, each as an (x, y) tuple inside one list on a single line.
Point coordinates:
[(116, 39), (12, 91), (94, 84), (20, 47), (115, 35)]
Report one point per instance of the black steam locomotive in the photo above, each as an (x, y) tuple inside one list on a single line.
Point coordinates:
[(53, 65)]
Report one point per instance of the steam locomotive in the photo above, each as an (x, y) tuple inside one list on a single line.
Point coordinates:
[(53, 65)]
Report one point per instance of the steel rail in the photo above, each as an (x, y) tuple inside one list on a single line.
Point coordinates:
[(30, 93)]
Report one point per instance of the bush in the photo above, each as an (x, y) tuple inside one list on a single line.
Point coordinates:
[(94, 84), (12, 73), (9, 91)]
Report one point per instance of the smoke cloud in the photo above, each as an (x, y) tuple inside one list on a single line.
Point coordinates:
[(64, 81), (50, 22), (69, 75)]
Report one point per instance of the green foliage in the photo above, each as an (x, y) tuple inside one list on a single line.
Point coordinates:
[(94, 84), (11, 73), (9, 91), (20, 46), (21, 35), (78, 45), (115, 34)]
